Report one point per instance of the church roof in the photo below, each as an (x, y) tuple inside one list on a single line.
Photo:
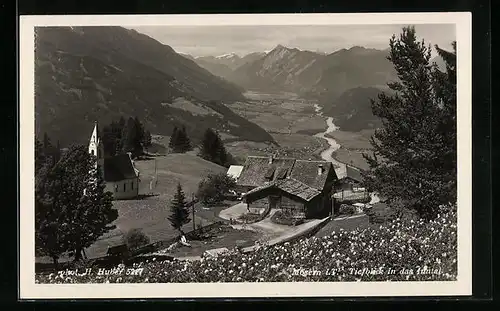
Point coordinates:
[(118, 168)]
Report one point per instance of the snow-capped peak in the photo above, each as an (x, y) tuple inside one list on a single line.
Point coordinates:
[(228, 55)]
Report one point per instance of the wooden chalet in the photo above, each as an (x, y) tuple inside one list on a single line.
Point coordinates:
[(302, 188)]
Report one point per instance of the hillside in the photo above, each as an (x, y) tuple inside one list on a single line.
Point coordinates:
[(278, 70), (350, 68), (224, 65), (315, 75), (83, 74), (352, 110)]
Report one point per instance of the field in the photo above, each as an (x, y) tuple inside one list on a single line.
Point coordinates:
[(351, 157), (150, 213), (353, 140), (291, 121)]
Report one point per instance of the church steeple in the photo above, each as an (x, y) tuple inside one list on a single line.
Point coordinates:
[(96, 147)]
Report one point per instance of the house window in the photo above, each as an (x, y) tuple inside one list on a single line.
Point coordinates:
[(124, 187), (132, 185), (116, 188)]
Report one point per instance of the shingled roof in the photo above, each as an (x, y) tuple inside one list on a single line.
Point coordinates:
[(118, 168), (307, 173), (256, 169), (291, 186)]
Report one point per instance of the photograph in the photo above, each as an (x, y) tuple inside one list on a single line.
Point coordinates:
[(245, 155)]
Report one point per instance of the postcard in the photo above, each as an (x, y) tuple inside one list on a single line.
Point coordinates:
[(245, 155)]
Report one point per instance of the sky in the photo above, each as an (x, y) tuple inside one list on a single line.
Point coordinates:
[(242, 40)]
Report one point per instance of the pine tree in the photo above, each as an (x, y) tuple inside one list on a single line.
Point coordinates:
[(173, 139), (130, 138), (147, 139), (140, 134), (72, 210), (213, 150), (414, 157), (183, 141), (179, 213)]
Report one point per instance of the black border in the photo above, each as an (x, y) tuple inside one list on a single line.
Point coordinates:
[(481, 77)]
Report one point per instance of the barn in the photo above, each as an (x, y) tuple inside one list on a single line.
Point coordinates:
[(302, 188)]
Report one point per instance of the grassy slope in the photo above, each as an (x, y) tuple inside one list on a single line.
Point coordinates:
[(151, 213)]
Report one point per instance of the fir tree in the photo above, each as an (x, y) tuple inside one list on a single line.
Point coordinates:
[(183, 141), (131, 139), (140, 133), (414, 159), (147, 139), (173, 139), (179, 213), (213, 150)]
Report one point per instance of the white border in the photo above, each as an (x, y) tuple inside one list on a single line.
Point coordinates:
[(463, 286)]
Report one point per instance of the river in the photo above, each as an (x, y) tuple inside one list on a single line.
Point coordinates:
[(340, 168)]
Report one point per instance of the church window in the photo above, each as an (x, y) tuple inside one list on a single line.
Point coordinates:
[(92, 151), (124, 187), (132, 185)]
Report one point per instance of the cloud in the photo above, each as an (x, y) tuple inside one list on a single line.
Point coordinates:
[(217, 40)]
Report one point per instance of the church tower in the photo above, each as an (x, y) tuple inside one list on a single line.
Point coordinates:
[(96, 148)]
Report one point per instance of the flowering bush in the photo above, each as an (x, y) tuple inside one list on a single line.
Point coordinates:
[(401, 250)]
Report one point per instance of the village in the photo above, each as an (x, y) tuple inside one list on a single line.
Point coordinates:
[(274, 200), (259, 185)]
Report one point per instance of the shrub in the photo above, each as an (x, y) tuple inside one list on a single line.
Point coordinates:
[(135, 238), (346, 209), (250, 218), (282, 218), (213, 189)]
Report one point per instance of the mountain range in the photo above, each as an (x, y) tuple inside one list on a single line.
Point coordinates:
[(310, 74), (224, 65), (343, 82), (87, 74)]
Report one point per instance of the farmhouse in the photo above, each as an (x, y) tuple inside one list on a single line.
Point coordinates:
[(119, 172), (302, 188)]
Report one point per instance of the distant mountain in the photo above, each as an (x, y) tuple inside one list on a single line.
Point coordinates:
[(277, 70), (349, 68), (187, 56), (83, 74), (318, 75), (352, 111), (224, 65)]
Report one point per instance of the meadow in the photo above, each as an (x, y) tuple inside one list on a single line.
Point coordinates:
[(150, 212), (401, 250)]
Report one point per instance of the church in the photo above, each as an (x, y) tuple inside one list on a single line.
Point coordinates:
[(119, 172)]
